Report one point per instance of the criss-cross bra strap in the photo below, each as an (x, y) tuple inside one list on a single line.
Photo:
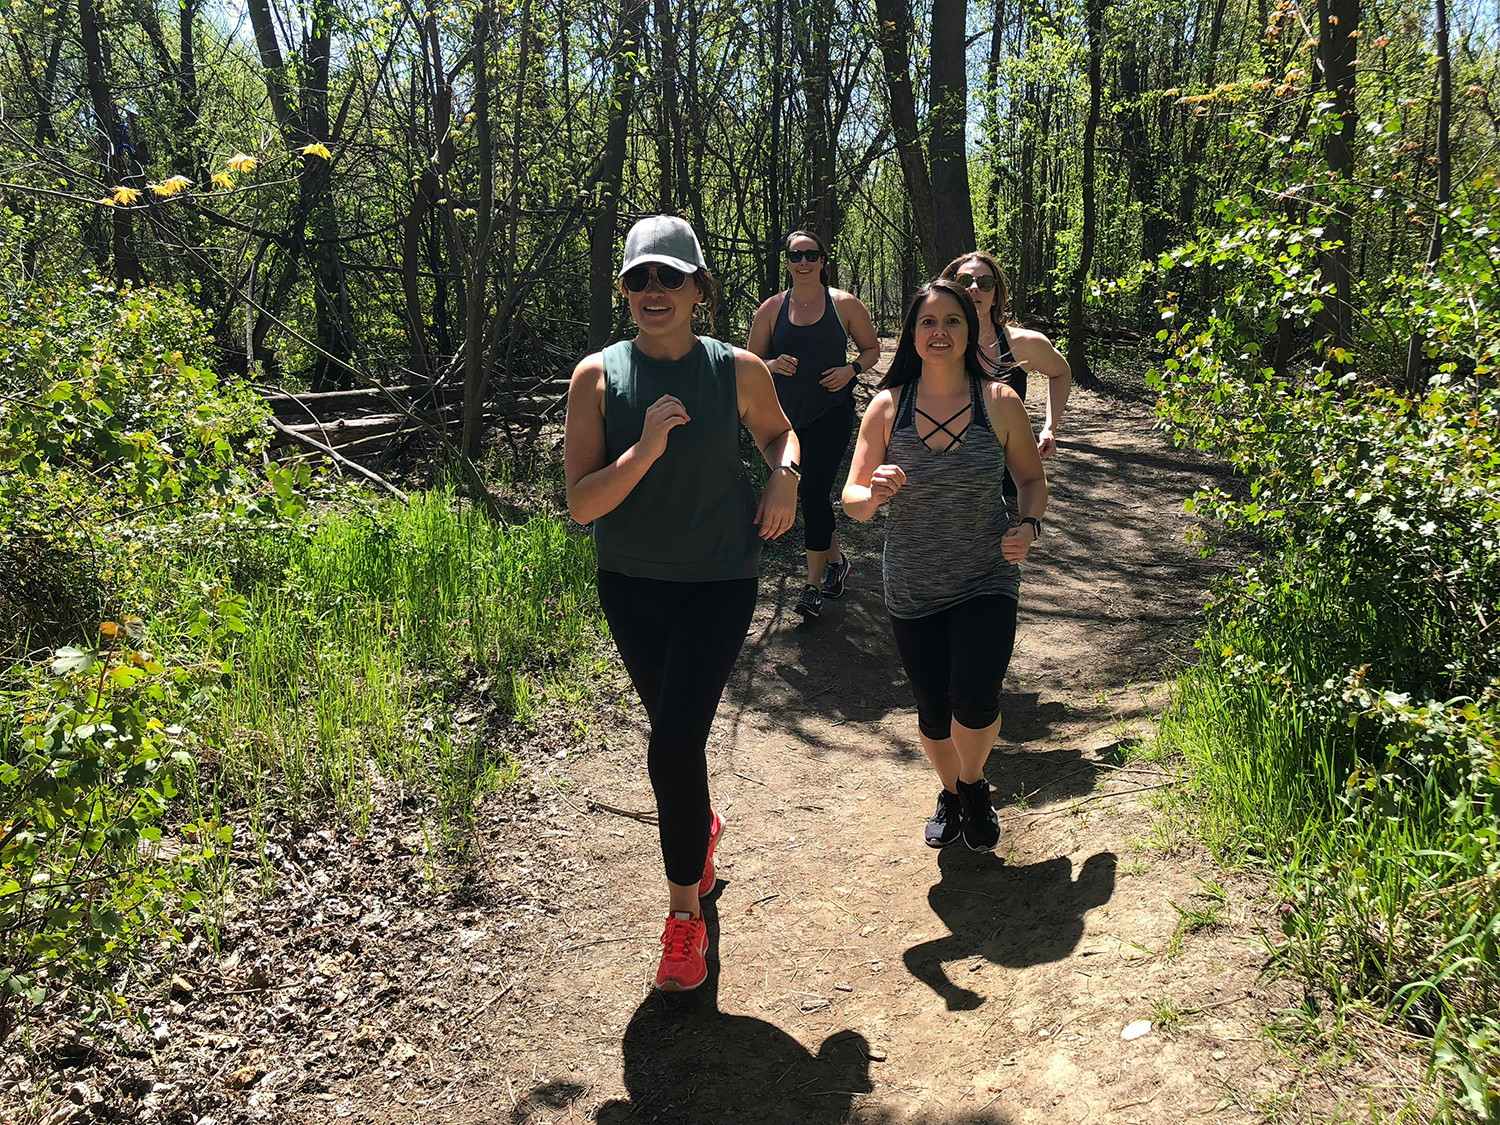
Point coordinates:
[(954, 438)]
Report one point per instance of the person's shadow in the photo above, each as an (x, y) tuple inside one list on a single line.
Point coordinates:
[(688, 1062), (1016, 916)]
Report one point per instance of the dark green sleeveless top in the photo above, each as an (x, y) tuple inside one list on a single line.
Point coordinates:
[(691, 517)]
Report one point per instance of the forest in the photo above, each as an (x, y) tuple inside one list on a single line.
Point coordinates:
[(289, 295)]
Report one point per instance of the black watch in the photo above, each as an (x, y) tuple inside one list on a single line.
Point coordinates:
[(858, 370), (1036, 526), (791, 467)]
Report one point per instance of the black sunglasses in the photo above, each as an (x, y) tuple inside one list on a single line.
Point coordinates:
[(638, 277), (803, 255), (984, 281)]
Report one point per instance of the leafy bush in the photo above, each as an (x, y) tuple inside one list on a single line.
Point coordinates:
[(1344, 720), (116, 443), (109, 414)]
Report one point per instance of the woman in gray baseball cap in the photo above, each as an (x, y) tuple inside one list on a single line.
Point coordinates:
[(652, 461)]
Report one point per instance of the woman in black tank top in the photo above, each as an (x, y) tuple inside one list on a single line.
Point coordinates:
[(1005, 348), (804, 335)]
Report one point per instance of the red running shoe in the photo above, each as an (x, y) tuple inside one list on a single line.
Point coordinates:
[(715, 830), (683, 944)]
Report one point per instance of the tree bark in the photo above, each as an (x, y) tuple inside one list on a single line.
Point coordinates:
[(953, 206), (1078, 358), (1339, 23), (1416, 375), (669, 127), (606, 218), (895, 38), (127, 264), (476, 281), (992, 106)]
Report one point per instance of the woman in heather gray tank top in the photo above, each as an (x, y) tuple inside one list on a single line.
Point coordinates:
[(651, 456), (936, 446)]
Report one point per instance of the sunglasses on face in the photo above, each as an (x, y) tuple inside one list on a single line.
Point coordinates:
[(803, 255), (984, 281), (637, 278)]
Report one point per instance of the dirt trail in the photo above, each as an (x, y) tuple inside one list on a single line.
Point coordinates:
[(856, 975)]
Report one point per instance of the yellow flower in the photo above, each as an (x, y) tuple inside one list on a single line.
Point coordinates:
[(317, 148), (242, 163), (107, 201), (223, 180), (173, 185), (125, 196)]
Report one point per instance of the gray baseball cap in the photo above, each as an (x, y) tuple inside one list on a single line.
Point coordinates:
[(664, 239)]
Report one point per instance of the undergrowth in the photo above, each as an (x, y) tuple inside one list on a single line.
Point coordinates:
[(203, 639)]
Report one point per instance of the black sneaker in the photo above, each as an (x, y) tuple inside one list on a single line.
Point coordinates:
[(834, 575), (944, 825), (981, 827), (810, 604)]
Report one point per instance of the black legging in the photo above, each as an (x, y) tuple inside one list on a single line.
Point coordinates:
[(679, 641), (823, 443), (956, 660)]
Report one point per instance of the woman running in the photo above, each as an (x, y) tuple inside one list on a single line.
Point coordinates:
[(952, 555), (1008, 350), (652, 461), (804, 335)]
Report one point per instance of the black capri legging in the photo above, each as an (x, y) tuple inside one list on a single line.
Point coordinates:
[(823, 443), (956, 660), (679, 642)]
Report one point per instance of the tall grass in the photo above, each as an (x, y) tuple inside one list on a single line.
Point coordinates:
[(359, 640), (1382, 838)]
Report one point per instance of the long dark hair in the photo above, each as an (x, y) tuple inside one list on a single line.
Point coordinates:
[(907, 364), (787, 245), (1000, 308)]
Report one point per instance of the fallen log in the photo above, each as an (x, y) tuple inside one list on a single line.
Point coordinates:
[(339, 459)]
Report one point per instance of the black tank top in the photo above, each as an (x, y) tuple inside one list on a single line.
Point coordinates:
[(817, 346), (1011, 373)]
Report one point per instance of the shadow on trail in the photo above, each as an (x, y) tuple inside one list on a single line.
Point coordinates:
[(1040, 777), (1015, 916), (687, 1063)]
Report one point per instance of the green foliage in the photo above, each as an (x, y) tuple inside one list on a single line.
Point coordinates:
[(110, 416), (203, 637), (1344, 720), (87, 771)]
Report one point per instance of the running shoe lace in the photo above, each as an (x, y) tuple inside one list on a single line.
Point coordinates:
[(678, 938)]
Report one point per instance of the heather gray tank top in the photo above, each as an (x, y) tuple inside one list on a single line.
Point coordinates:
[(943, 529)]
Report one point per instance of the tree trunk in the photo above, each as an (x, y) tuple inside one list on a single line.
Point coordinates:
[(1339, 24), (112, 142), (476, 280), (771, 280), (606, 218), (333, 317), (1078, 358), (669, 127), (813, 39), (1025, 276), (895, 39), (992, 107), (1416, 375), (953, 206)]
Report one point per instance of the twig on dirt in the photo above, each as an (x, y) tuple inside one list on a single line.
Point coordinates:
[(767, 898), (1095, 797), (591, 944), (643, 817), (1216, 1004), (1131, 1105), (747, 777)]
